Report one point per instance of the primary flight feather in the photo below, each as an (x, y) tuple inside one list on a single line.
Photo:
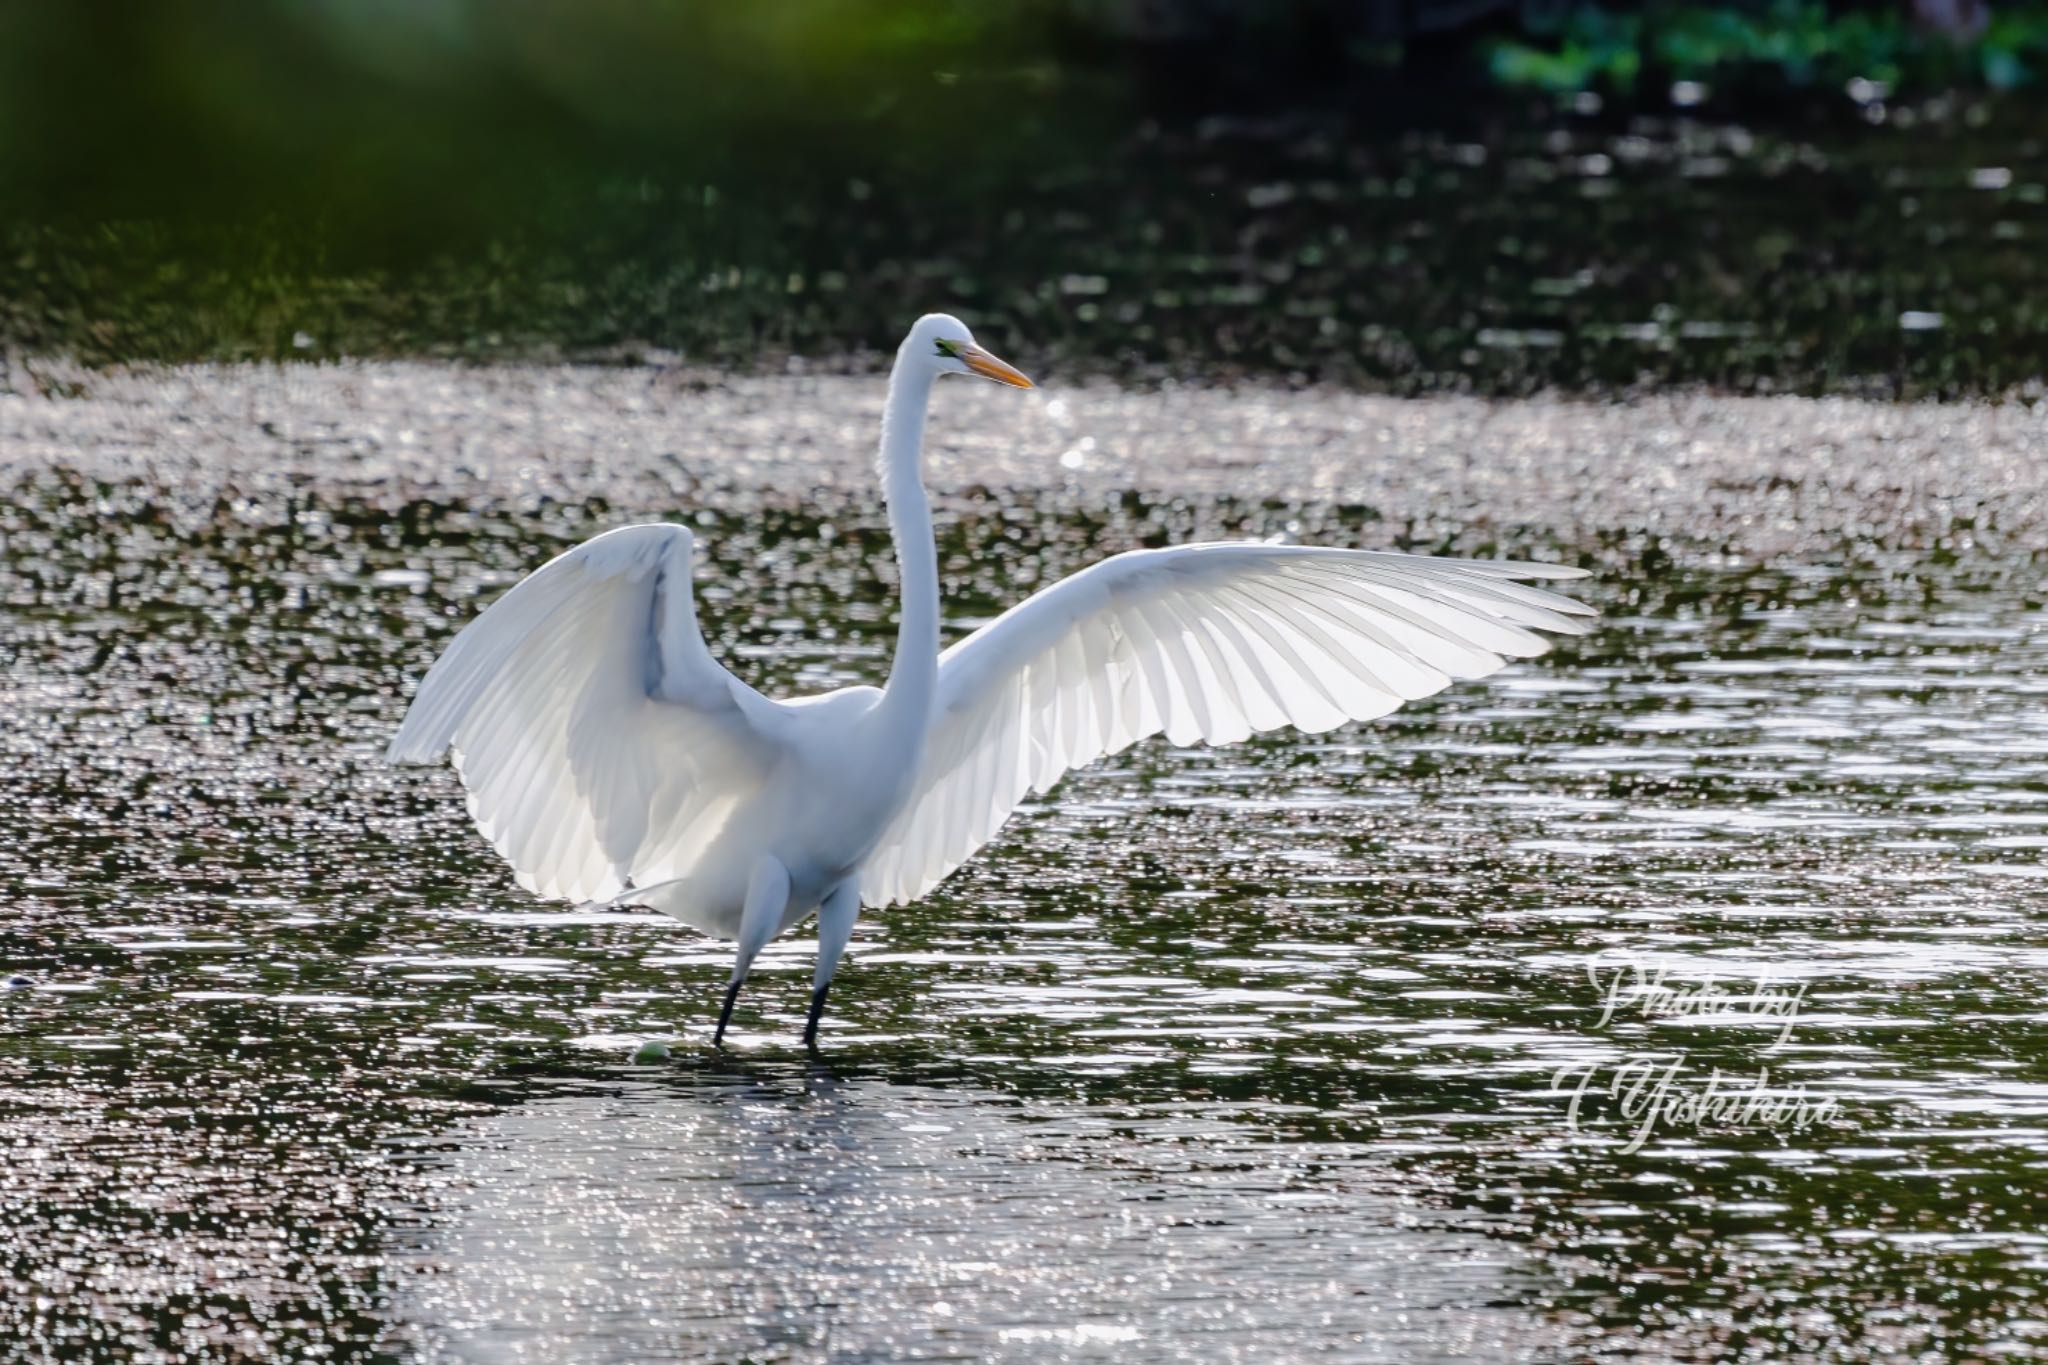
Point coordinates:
[(609, 757)]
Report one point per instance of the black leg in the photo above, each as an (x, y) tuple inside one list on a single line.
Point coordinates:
[(817, 1011), (732, 993)]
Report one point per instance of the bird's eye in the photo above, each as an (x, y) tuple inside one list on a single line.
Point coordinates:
[(949, 348)]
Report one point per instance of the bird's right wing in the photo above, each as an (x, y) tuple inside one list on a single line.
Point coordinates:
[(602, 745), (1204, 642)]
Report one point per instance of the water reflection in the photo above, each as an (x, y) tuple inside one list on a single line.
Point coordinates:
[(773, 1213)]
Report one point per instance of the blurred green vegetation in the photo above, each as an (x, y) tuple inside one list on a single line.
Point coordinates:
[(1784, 43), (402, 121)]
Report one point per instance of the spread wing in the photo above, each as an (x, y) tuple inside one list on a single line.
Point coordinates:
[(1204, 642), (601, 744)]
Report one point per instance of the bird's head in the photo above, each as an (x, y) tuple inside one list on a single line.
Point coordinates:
[(944, 343)]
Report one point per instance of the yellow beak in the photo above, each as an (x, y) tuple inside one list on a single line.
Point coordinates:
[(986, 365)]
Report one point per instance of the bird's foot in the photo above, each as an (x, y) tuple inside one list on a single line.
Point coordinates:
[(732, 993), (817, 1012)]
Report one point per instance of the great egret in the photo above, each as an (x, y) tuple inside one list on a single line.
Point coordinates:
[(609, 757)]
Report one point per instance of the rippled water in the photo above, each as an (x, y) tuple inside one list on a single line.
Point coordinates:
[(1250, 1053), (1503, 246)]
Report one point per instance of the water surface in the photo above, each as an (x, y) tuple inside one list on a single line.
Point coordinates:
[(1238, 1054), (1429, 242)]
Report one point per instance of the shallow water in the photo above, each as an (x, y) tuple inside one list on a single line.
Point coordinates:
[(1241, 1054)]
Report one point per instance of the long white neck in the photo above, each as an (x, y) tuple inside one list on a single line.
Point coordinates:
[(913, 678)]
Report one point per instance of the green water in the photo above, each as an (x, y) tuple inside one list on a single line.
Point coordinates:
[(1505, 248)]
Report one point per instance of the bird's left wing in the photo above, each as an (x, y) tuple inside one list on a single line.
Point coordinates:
[(1204, 642), (601, 743)]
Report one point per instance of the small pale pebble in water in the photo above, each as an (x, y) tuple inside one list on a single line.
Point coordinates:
[(650, 1053)]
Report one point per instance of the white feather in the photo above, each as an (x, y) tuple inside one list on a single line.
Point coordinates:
[(599, 740), (1207, 643)]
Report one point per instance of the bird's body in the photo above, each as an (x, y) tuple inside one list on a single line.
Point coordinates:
[(609, 757), (817, 812)]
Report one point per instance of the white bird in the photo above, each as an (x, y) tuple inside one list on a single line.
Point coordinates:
[(610, 758)]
